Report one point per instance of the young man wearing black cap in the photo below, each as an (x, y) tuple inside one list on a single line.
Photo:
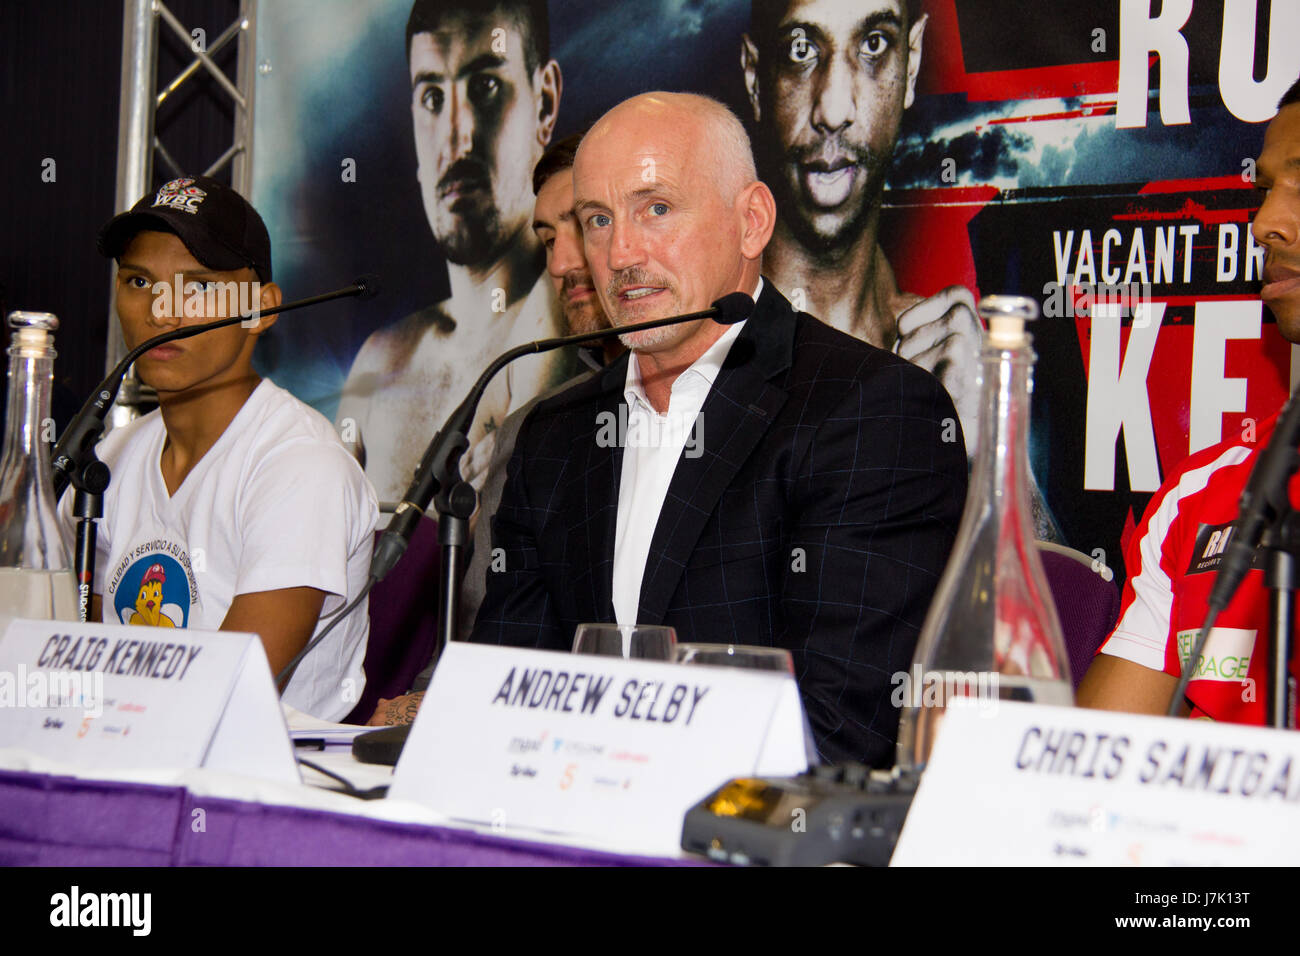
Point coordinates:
[(234, 506)]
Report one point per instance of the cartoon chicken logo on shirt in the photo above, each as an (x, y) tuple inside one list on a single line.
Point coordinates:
[(151, 588), (149, 600)]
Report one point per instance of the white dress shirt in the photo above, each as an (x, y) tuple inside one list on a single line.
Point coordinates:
[(652, 446)]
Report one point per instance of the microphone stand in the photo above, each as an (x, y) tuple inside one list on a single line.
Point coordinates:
[(438, 475), (456, 498), (90, 481), (455, 506), (438, 478), (73, 460), (1265, 521), (1281, 575)]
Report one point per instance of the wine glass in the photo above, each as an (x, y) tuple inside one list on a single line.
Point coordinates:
[(736, 655), (750, 657), (634, 641)]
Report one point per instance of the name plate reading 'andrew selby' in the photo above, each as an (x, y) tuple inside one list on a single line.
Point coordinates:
[(592, 746), (1024, 784), (109, 696)]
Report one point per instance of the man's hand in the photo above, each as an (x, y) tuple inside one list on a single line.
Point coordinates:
[(399, 710), (942, 334)]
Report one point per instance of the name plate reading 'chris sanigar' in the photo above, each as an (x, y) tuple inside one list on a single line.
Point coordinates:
[(1023, 784), (593, 746), (110, 696)]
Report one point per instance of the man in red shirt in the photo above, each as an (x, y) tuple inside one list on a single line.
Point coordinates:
[(1185, 530)]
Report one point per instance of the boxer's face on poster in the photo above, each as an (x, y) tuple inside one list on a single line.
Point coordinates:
[(556, 226), (476, 134), (828, 86), (1277, 224)]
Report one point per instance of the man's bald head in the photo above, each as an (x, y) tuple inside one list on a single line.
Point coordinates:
[(673, 216), (724, 145)]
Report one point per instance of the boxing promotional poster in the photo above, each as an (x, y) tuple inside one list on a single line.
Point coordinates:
[(1096, 156)]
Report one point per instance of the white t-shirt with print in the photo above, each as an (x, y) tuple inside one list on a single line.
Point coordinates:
[(276, 503)]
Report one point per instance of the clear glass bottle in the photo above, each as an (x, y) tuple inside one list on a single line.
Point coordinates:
[(36, 576), (992, 632)]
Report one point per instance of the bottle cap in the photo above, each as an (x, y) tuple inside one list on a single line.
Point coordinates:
[(1006, 316), (32, 330)]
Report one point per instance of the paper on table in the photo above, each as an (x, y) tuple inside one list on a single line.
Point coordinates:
[(306, 727)]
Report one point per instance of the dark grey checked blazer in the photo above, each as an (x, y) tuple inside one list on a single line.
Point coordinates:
[(818, 519)]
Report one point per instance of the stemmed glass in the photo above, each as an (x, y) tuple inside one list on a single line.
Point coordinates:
[(635, 641), (736, 655)]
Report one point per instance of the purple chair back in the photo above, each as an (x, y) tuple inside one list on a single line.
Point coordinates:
[(1086, 603), (403, 622)]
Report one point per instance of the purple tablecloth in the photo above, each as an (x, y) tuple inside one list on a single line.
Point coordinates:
[(65, 821)]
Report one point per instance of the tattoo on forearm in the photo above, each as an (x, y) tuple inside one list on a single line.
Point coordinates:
[(403, 711)]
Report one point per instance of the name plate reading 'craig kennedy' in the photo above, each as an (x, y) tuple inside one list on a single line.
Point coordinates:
[(1022, 784), (109, 696), (592, 746)]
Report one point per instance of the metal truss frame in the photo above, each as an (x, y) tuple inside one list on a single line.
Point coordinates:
[(138, 144)]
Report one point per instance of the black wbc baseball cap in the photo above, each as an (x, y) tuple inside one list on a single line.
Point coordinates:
[(220, 228)]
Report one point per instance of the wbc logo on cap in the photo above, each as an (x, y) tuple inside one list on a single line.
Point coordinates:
[(180, 194)]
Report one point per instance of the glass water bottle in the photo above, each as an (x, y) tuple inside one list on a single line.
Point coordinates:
[(992, 630), (36, 577)]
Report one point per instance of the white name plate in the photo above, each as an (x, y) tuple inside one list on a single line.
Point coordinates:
[(592, 746), (108, 696), (1034, 785)]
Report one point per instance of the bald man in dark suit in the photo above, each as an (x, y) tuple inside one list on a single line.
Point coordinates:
[(812, 502)]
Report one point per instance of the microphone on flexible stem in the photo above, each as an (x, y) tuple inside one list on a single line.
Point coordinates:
[(1264, 499), (439, 472), (86, 427), (439, 468)]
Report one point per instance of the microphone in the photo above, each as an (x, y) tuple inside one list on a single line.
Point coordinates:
[(439, 471), (732, 308), (439, 468), (86, 427), (367, 286)]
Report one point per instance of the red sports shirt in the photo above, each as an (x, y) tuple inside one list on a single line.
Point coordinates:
[(1172, 560)]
